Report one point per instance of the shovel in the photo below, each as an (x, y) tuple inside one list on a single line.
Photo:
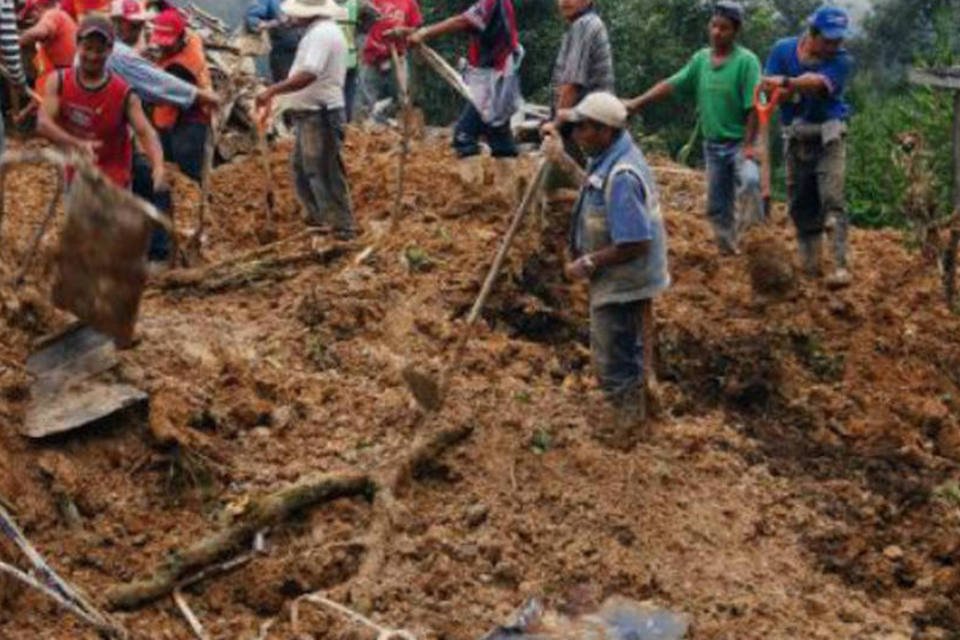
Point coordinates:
[(765, 105), (429, 392), (403, 90), (195, 243), (269, 232)]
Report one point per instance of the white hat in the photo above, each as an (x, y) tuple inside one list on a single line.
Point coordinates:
[(314, 9), (602, 107)]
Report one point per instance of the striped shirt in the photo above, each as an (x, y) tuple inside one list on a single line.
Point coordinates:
[(585, 58), (10, 42)]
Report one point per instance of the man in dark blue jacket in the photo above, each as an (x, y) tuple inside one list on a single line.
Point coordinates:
[(811, 72)]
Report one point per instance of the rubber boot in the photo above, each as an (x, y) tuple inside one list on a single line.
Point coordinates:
[(506, 179), (841, 276), (811, 255), (470, 170)]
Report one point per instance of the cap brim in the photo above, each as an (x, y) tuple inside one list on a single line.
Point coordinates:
[(95, 31), (834, 34), (570, 115), (163, 40)]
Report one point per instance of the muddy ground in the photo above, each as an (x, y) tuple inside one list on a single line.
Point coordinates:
[(802, 480)]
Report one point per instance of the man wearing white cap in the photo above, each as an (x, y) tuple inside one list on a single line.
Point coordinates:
[(315, 101), (620, 244)]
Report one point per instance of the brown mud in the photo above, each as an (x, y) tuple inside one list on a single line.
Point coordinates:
[(803, 480)]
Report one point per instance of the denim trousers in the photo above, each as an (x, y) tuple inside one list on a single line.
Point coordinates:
[(350, 92), (184, 146), (815, 186), (160, 244), (374, 84), (730, 177), (319, 171), (470, 128), (616, 343)]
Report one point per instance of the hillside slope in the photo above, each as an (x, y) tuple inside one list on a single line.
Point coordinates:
[(801, 481)]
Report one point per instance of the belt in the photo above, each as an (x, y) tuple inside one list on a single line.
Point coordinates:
[(725, 141), (320, 110)]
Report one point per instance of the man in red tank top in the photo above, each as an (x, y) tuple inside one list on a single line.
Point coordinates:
[(91, 110)]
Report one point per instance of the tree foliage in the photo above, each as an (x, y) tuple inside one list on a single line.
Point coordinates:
[(651, 39)]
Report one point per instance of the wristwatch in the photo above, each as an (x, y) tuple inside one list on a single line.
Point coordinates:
[(785, 83)]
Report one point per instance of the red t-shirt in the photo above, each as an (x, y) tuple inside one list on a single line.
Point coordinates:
[(395, 13), (100, 114), (494, 36)]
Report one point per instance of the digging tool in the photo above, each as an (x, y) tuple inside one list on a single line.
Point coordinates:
[(765, 106), (447, 73), (403, 89), (429, 392), (195, 244), (269, 233)]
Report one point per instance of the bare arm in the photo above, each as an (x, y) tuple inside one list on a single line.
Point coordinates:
[(37, 33), (660, 91), (808, 83), (296, 82), (148, 140), (450, 25), (607, 257), (47, 123)]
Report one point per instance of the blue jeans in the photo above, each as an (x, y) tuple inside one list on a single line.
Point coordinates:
[(350, 92), (730, 177), (184, 146), (616, 342), (471, 126), (160, 243), (373, 85)]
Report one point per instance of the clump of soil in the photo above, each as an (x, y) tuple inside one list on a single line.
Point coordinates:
[(799, 484)]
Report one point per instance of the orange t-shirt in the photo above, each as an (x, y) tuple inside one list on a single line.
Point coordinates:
[(80, 8), (193, 60), (59, 50)]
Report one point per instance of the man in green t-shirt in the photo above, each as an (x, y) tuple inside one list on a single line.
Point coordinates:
[(721, 79)]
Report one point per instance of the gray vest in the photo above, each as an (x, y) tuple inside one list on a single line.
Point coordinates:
[(641, 278)]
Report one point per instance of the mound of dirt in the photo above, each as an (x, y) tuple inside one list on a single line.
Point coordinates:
[(803, 480)]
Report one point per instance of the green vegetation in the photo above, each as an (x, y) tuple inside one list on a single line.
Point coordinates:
[(653, 38)]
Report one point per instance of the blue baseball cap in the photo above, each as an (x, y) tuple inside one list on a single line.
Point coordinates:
[(832, 22)]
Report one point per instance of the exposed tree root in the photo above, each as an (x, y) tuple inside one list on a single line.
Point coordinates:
[(225, 277), (270, 509)]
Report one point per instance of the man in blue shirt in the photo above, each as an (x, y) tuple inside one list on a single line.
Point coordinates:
[(811, 73), (285, 34), (620, 244)]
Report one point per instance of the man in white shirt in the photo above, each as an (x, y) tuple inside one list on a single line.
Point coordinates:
[(314, 99)]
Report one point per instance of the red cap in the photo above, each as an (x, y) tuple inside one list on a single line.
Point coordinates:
[(129, 10), (168, 27)]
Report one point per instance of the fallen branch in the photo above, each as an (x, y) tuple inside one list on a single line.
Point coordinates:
[(189, 616), (262, 512), (54, 595), (217, 279), (273, 508), (61, 591), (383, 633)]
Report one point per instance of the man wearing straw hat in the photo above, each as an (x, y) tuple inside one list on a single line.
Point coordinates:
[(315, 101)]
